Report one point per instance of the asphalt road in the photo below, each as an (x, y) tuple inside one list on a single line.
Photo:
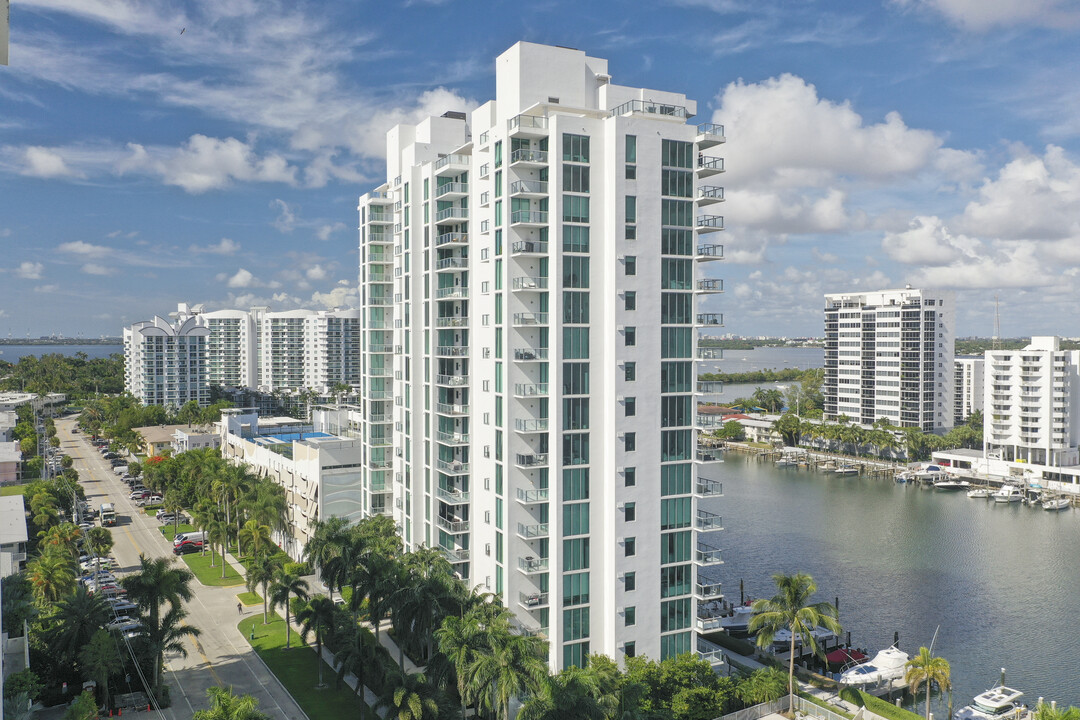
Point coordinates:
[(220, 655)]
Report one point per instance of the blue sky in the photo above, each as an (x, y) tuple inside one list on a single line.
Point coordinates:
[(870, 144)]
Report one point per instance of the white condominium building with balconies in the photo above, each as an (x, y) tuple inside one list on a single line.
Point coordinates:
[(231, 358), (1029, 398), (889, 354), (968, 388), (531, 274), (165, 361)]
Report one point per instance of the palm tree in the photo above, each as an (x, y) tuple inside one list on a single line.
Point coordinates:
[(573, 693), (201, 516), (224, 705), (424, 600), (328, 540), (791, 609), (355, 655), (100, 660), (254, 536), (78, 617), (409, 698), (165, 635), (61, 539), (171, 503), (286, 585), (512, 666), (460, 641), (157, 582), (99, 541), (317, 616), (217, 532), (262, 572), (925, 668), (51, 576)]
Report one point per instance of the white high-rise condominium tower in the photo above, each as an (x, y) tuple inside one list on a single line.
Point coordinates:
[(231, 360), (530, 278), (165, 361), (889, 354), (969, 387)]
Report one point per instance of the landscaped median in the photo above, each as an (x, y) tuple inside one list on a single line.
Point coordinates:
[(297, 670)]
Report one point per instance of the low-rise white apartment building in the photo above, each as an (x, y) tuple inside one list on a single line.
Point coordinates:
[(889, 354), (969, 388)]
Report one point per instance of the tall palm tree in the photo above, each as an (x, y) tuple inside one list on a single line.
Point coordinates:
[(99, 541), (317, 616), (217, 533), (99, 659), (512, 666), (328, 540), (357, 653), (171, 503), (164, 634), (262, 572), (424, 600), (158, 582), (61, 539), (254, 536), (409, 698), (285, 586), (78, 616), (460, 641), (51, 577), (573, 693), (201, 516), (925, 668), (225, 705), (791, 609)]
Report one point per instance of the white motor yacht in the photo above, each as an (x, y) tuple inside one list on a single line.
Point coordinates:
[(950, 483), (994, 704), (1008, 494), (887, 665), (846, 470), (1056, 503), (981, 493), (739, 621)]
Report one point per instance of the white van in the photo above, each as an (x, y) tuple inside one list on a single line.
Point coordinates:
[(199, 536)]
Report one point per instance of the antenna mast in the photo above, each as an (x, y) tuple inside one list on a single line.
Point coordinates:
[(996, 344)]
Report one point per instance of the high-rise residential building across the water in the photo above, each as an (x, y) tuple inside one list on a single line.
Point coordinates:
[(535, 275), (889, 355)]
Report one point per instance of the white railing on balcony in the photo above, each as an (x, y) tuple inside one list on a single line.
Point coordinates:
[(452, 350), (452, 496), (529, 217), (708, 521), (451, 409), (457, 321), (525, 425), (452, 188), (532, 460), (652, 108), (452, 159), (452, 438), (452, 213), (452, 467), (532, 496), (454, 526), (529, 156), (529, 318), (534, 531), (452, 380), (525, 122), (529, 187), (533, 600), (530, 283), (531, 564), (449, 293), (531, 389)]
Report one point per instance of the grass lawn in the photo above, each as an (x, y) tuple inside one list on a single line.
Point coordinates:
[(250, 598), (280, 556), (297, 670), (12, 490), (200, 565)]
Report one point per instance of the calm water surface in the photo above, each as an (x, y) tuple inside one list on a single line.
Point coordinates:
[(1002, 581)]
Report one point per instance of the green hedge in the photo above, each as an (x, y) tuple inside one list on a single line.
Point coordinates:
[(734, 644), (884, 708)]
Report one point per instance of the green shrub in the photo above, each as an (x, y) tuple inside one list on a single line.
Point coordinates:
[(300, 568), (884, 708)]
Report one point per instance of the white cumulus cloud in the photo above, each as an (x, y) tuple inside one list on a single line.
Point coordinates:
[(41, 162), (205, 163), (30, 270), (981, 15), (225, 246), (96, 269)]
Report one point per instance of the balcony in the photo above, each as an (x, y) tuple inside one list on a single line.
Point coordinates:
[(709, 223), (452, 215), (708, 135), (709, 455), (380, 464), (528, 283), (709, 194), (380, 348), (528, 126), (380, 300), (380, 218), (455, 292), (530, 390), (710, 353), (530, 565), (706, 253), (452, 351), (532, 532), (452, 380), (710, 286), (651, 108), (529, 247), (374, 394), (530, 354), (454, 526), (455, 555), (527, 319), (709, 387), (707, 589), (379, 277), (708, 166), (453, 164), (710, 652), (457, 321), (452, 496), (525, 425), (710, 319), (533, 460), (529, 188), (708, 421), (452, 190), (528, 158), (451, 409), (706, 521), (452, 438), (532, 497), (528, 218), (704, 487), (452, 467), (533, 601), (708, 555)]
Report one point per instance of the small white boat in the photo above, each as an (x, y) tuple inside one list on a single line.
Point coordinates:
[(980, 493), (846, 470), (782, 638), (888, 664), (1008, 494), (1058, 503), (995, 703), (931, 473), (739, 620), (950, 483)]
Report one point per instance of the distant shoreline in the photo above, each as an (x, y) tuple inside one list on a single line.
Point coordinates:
[(60, 341)]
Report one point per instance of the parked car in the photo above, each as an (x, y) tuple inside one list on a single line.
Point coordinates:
[(186, 548), (148, 500), (169, 518), (138, 494), (120, 605)]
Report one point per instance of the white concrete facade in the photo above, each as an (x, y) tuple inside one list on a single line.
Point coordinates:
[(165, 361), (968, 387), (530, 279), (889, 354), (231, 357)]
